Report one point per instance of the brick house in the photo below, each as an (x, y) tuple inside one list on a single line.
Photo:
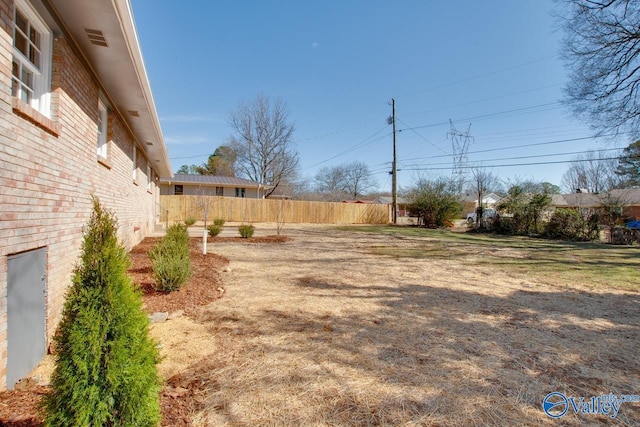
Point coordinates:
[(77, 117)]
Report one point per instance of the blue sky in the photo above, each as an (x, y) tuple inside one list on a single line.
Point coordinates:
[(492, 65)]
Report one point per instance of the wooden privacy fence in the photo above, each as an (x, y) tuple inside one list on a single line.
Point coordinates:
[(236, 209)]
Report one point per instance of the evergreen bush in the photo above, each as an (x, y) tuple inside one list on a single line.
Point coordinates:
[(218, 221), (178, 233), (214, 230), (189, 221), (170, 259), (246, 230), (105, 372), (570, 224)]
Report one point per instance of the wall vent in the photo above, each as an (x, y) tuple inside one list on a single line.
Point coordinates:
[(133, 113), (96, 37)]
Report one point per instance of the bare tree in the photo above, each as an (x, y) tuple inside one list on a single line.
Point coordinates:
[(358, 179), (592, 171), (330, 182), (601, 50), (347, 180), (263, 142), (482, 181)]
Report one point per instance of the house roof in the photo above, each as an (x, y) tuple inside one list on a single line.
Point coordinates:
[(625, 197), (119, 67), (469, 197), (220, 181), (387, 200)]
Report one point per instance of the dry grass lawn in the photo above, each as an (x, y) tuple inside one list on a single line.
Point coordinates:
[(341, 327)]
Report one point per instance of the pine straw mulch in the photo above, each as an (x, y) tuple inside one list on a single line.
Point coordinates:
[(19, 407)]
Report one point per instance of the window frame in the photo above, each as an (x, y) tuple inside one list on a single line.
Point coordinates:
[(219, 191), (102, 149), (134, 160), (175, 190), (40, 99), (149, 180)]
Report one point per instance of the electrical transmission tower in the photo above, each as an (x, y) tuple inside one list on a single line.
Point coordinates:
[(460, 142)]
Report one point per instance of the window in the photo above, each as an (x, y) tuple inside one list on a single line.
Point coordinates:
[(149, 178), (135, 163), (31, 63), (240, 192), (103, 119), (178, 190), (219, 191)]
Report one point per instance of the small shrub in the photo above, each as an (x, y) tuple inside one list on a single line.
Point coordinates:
[(246, 230), (105, 372), (178, 233), (214, 230), (170, 259), (189, 221), (218, 221)]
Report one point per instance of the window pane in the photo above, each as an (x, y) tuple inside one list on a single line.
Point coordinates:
[(21, 22), (34, 36), (25, 95), (16, 69), (34, 57), (20, 42), (27, 79)]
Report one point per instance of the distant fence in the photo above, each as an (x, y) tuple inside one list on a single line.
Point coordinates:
[(236, 209)]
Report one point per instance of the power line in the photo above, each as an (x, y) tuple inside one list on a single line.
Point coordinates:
[(519, 164), (356, 146), (515, 110), (190, 157), (422, 137), (528, 157), (486, 99), (479, 76), (512, 147)]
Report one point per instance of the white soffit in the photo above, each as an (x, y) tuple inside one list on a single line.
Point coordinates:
[(105, 32)]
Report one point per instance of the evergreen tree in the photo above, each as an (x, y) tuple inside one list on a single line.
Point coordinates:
[(105, 373), (629, 165)]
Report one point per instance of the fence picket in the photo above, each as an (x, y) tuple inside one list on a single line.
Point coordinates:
[(235, 209)]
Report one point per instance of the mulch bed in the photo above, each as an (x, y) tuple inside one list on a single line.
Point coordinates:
[(19, 407)]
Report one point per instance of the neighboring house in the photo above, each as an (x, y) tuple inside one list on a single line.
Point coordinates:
[(77, 118), (210, 185), (470, 203), (627, 200), (402, 203)]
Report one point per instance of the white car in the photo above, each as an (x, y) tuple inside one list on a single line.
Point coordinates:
[(486, 213)]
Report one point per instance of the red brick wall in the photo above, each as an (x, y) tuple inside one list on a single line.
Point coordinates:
[(632, 212), (46, 179)]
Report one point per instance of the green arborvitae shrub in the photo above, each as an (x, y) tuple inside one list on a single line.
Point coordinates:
[(214, 230), (218, 221), (189, 221), (105, 372), (246, 230), (170, 259)]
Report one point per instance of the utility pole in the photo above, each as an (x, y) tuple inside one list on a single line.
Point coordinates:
[(394, 168)]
